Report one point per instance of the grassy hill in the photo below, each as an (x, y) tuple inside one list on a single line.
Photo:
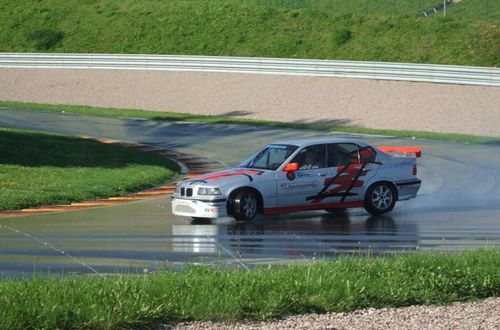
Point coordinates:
[(47, 169), (382, 30)]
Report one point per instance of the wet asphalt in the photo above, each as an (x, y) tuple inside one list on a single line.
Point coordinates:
[(457, 208)]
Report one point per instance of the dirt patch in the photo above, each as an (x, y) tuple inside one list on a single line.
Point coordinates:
[(477, 315)]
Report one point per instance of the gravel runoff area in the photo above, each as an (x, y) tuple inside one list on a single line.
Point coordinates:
[(342, 101), (467, 316)]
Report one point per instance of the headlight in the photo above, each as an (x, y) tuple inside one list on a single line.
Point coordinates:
[(177, 188), (208, 191)]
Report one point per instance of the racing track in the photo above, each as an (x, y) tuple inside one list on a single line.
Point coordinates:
[(458, 207)]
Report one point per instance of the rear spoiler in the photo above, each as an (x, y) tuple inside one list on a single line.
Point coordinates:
[(403, 150)]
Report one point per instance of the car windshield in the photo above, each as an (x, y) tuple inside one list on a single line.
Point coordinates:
[(271, 157)]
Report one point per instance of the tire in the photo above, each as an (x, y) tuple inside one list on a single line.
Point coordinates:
[(244, 205), (380, 198), (200, 221)]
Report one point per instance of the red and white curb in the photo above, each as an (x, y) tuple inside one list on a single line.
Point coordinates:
[(191, 165)]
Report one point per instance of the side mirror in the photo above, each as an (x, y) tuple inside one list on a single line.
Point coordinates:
[(291, 167)]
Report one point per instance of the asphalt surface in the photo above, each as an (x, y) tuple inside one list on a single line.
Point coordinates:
[(458, 207)]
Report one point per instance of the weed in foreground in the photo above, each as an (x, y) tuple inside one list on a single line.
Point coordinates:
[(202, 293)]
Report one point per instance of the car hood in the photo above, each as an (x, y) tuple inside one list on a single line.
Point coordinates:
[(230, 177)]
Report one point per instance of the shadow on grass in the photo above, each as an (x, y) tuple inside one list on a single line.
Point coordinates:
[(326, 124), (37, 149), (213, 138), (319, 125), (333, 125), (495, 143), (237, 113)]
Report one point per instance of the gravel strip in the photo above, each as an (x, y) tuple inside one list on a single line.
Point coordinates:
[(339, 101), (476, 315)]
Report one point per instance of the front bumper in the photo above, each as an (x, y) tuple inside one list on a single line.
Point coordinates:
[(199, 208)]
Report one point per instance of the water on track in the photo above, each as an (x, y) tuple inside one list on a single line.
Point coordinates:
[(457, 208)]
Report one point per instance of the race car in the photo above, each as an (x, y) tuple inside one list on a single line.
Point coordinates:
[(298, 175)]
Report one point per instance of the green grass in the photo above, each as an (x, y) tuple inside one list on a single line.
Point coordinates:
[(385, 30), (477, 9), (174, 116), (41, 169), (203, 293)]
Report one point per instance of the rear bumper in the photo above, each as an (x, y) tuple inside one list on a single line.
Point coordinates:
[(198, 208), (408, 189)]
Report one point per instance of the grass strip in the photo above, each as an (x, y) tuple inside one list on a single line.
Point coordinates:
[(45, 169), (382, 30), (175, 116), (203, 293)]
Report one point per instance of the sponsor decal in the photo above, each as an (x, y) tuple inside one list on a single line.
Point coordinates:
[(290, 176), (302, 185), (278, 146), (303, 173), (295, 208)]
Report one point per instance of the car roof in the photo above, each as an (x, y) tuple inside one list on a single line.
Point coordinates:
[(312, 141)]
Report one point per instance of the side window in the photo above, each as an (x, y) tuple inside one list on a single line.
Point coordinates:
[(311, 157), (272, 158), (341, 154), (367, 154)]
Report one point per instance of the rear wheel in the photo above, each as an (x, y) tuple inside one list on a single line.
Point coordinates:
[(380, 198), (244, 205)]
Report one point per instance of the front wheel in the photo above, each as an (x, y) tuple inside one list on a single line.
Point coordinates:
[(380, 198), (244, 205), (198, 220)]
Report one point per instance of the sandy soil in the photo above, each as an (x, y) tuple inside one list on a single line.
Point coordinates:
[(367, 103)]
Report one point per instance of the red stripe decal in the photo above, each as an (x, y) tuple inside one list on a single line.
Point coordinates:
[(217, 176), (309, 207), (344, 181)]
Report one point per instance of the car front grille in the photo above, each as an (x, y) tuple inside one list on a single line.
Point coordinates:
[(186, 192)]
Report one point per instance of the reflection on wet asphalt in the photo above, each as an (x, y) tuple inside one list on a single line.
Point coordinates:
[(457, 208)]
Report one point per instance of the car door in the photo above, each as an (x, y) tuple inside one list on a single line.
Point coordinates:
[(350, 167), (294, 189)]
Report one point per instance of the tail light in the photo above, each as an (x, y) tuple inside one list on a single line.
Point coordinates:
[(414, 169)]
